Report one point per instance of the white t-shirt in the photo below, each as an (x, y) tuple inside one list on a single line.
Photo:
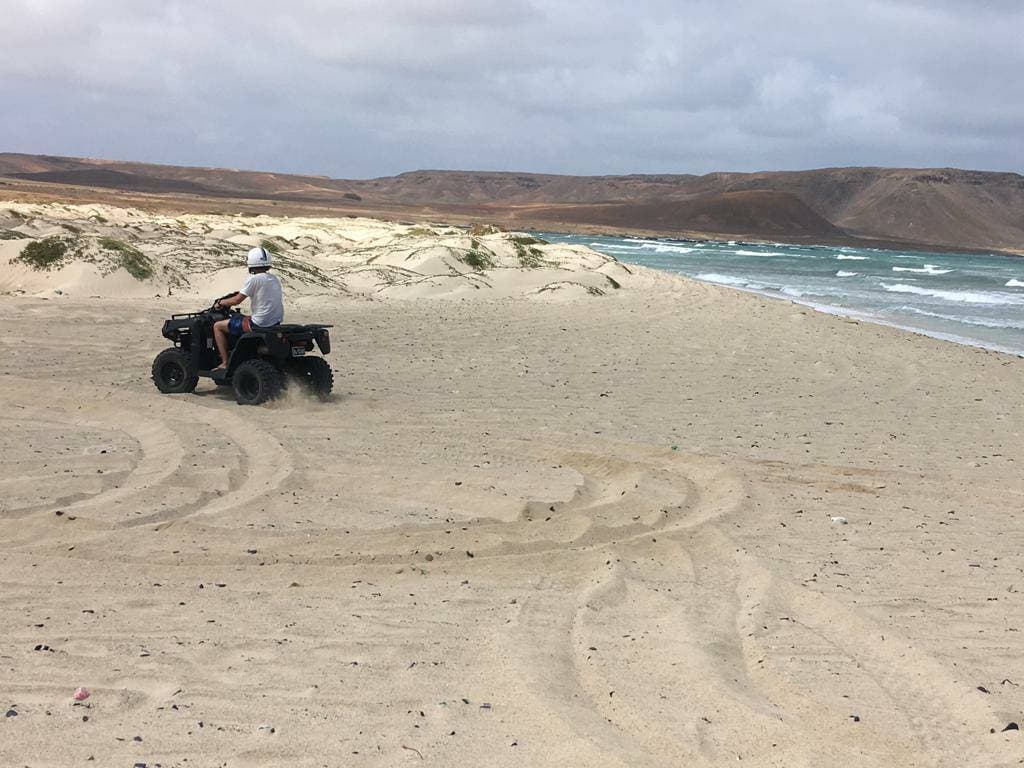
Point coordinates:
[(264, 292)]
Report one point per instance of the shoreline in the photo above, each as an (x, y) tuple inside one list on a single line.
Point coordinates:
[(823, 307), (860, 316), (952, 338)]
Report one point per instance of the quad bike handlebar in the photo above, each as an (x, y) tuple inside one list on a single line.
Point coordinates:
[(216, 302)]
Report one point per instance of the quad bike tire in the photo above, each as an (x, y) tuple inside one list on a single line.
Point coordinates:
[(315, 374), (172, 372), (256, 382)]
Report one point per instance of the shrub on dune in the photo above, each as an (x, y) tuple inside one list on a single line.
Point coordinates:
[(48, 253), (131, 259)]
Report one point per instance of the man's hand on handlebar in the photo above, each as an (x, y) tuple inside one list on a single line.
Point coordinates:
[(218, 303)]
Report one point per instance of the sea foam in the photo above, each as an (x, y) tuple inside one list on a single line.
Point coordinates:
[(661, 248), (968, 297), (927, 269), (614, 247), (844, 257), (1012, 283), (714, 277), (842, 273), (649, 245)]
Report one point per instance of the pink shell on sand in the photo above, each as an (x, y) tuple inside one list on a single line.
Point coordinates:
[(80, 695)]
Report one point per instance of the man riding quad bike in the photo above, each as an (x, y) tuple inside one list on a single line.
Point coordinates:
[(257, 360)]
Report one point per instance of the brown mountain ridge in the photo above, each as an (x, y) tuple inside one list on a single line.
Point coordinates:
[(944, 208)]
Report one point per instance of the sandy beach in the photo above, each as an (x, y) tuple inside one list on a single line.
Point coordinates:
[(659, 524)]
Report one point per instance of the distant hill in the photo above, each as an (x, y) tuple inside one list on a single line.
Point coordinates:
[(748, 213), (103, 177), (167, 179), (943, 207)]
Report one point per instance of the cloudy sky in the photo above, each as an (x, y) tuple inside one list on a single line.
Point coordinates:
[(361, 88)]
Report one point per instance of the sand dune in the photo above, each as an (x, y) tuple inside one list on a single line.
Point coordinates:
[(604, 532), (119, 252)]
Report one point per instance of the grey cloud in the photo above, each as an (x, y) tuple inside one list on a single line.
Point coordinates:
[(362, 88)]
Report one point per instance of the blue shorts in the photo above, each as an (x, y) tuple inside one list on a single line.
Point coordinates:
[(239, 324)]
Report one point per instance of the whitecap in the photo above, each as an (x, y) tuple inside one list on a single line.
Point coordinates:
[(713, 277), (841, 273), (758, 253), (852, 258), (968, 297), (660, 248), (792, 292), (927, 269), (1012, 283), (650, 245), (614, 246)]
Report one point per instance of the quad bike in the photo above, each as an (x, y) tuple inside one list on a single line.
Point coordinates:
[(260, 362)]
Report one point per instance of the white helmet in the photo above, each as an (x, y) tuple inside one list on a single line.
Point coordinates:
[(259, 257)]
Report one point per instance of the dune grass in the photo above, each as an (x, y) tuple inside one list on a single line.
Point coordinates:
[(528, 254), (476, 258), (528, 240), (46, 254), (131, 259)]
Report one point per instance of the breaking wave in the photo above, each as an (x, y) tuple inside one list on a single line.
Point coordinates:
[(968, 297), (927, 269), (661, 248), (648, 245), (614, 247), (714, 277)]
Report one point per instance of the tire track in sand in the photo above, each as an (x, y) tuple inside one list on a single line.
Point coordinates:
[(685, 648), (160, 430), (265, 464)]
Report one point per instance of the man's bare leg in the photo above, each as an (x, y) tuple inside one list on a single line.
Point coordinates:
[(220, 338)]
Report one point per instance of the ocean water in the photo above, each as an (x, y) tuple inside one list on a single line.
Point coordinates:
[(966, 298)]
